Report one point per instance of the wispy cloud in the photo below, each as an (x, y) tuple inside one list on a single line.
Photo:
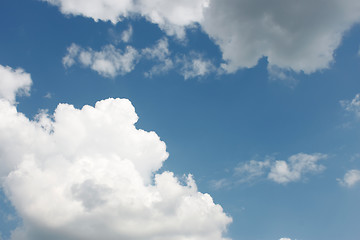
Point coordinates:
[(294, 169)]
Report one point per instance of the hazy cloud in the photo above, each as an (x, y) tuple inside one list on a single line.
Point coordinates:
[(352, 106)]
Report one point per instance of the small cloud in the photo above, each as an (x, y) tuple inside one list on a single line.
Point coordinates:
[(352, 106), (219, 184), (285, 239), (108, 62), (195, 66), (48, 95), (351, 178), (127, 34), (297, 165), (14, 82), (251, 170), (280, 171), (281, 75), (161, 54)]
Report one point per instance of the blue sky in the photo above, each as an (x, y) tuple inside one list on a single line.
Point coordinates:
[(254, 103)]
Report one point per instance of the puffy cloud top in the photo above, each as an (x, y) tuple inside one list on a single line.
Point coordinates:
[(90, 174), (13, 82)]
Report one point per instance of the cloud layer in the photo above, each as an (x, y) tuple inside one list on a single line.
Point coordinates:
[(299, 36), (89, 173)]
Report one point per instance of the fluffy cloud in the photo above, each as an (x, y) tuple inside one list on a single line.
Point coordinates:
[(296, 35), (171, 16), (296, 166), (353, 105), (195, 66), (161, 54), (351, 178), (89, 173), (293, 170), (13, 82), (109, 62), (285, 239)]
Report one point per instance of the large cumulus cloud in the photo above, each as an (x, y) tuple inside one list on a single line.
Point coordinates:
[(89, 173)]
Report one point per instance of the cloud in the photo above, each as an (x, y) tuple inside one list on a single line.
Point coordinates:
[(111, 61), (352, 106), (14, 82), (297, 165), (108, 62), (127, 34), (285, 239), (195, 66), (351, 178), (299, 36), (293, 170), (90, 174), (171, 16), (161, 54), (251, 170)]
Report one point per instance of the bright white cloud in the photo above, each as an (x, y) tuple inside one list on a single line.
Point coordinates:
[(296, 166), (171, 16), (296, 35), (13, 82), (90, 174), (285, 239), (353, 105), (108, 62), (351, 178)]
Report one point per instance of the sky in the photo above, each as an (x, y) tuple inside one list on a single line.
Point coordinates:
[(179, 120)]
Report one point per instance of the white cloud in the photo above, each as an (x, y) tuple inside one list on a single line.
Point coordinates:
[(300, 36), (293, 170), (285, 239), (296, 166), (13, 82), (171, 16), (195, 66), (90, 174), (251, 170), (353, 105), (109, 62), (161, 54), (351, 178), (127, 34)]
